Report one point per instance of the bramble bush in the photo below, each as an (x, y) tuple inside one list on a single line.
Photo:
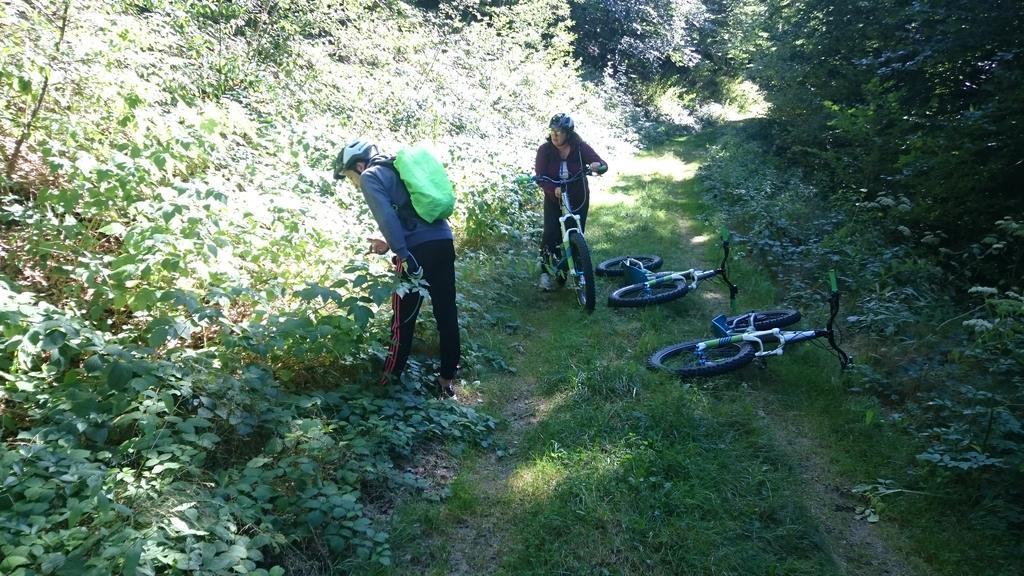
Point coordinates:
[(190, 326)]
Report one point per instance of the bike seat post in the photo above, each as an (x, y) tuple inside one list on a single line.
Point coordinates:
[(634, 271), (719, 326)]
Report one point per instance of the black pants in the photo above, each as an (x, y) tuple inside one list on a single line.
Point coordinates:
[(437, 258), (552, 241)]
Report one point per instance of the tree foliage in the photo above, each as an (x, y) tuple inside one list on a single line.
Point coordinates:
[(911, 98), (891, 150)]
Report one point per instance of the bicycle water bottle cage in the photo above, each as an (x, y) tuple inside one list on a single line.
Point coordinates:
[(635, 272), (719, 326)]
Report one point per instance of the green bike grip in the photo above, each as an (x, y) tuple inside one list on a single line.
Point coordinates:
[(832, 280)]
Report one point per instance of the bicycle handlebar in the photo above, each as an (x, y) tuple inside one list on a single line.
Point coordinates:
[(563, 181), (726, 235), (833, 304)]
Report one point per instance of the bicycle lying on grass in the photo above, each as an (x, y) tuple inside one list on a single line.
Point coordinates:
[(647, 288), (743, 338), (574, 263), (620, 265)]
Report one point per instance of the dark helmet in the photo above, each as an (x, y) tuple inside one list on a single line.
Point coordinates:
[(562, 122), (354, 151)]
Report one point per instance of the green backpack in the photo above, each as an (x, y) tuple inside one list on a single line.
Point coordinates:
[(430, 190)]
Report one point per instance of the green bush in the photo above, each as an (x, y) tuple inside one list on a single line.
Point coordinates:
[(950, 376), (190, 323)]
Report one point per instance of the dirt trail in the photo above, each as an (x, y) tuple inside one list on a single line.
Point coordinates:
[(474, 544), (858, 547)]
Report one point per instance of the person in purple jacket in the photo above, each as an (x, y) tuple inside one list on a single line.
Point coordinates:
[(561, 155), (422, 250)]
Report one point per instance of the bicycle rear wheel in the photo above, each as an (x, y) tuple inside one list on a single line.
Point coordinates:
[(613, 266), (683, 360), (763, 319), (636, 295), (583, 276)]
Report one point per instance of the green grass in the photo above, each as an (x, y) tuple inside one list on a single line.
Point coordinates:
[(663, 483), (627, 471)]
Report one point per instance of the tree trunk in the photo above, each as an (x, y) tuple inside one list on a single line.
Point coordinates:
[(12, 162)]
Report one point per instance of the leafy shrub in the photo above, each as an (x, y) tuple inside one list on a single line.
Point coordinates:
[(949, 369), (190, 325)]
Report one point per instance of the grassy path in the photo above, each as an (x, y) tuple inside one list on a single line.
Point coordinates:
[(607, 468)]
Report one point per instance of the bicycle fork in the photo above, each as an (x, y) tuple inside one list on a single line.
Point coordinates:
[(567, 246)]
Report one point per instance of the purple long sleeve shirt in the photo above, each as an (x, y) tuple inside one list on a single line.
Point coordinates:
[(549, 161)]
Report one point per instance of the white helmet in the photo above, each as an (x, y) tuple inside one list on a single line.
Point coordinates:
[(354, 151)]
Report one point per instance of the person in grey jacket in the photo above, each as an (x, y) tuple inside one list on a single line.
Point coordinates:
[(422, 250)]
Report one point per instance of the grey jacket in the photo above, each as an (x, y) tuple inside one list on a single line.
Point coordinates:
[(385, 193)]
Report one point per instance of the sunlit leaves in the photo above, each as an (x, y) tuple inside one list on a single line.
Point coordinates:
[(313, 292), (113, 229), (191, 283)]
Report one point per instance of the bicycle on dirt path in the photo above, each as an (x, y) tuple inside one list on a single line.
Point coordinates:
[(573, 264), (646, 288), (743, 338)]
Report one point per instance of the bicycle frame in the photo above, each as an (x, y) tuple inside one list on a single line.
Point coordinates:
[(563, 220), (693, 277), (781, 337)]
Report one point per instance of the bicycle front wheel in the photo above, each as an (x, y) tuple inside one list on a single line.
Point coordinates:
[(763, 319), (683, 359), (613, 266), (636, 295), (583, 275)]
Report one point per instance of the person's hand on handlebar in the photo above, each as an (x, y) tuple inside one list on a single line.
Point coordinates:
[(554, 195), (596, 168)]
